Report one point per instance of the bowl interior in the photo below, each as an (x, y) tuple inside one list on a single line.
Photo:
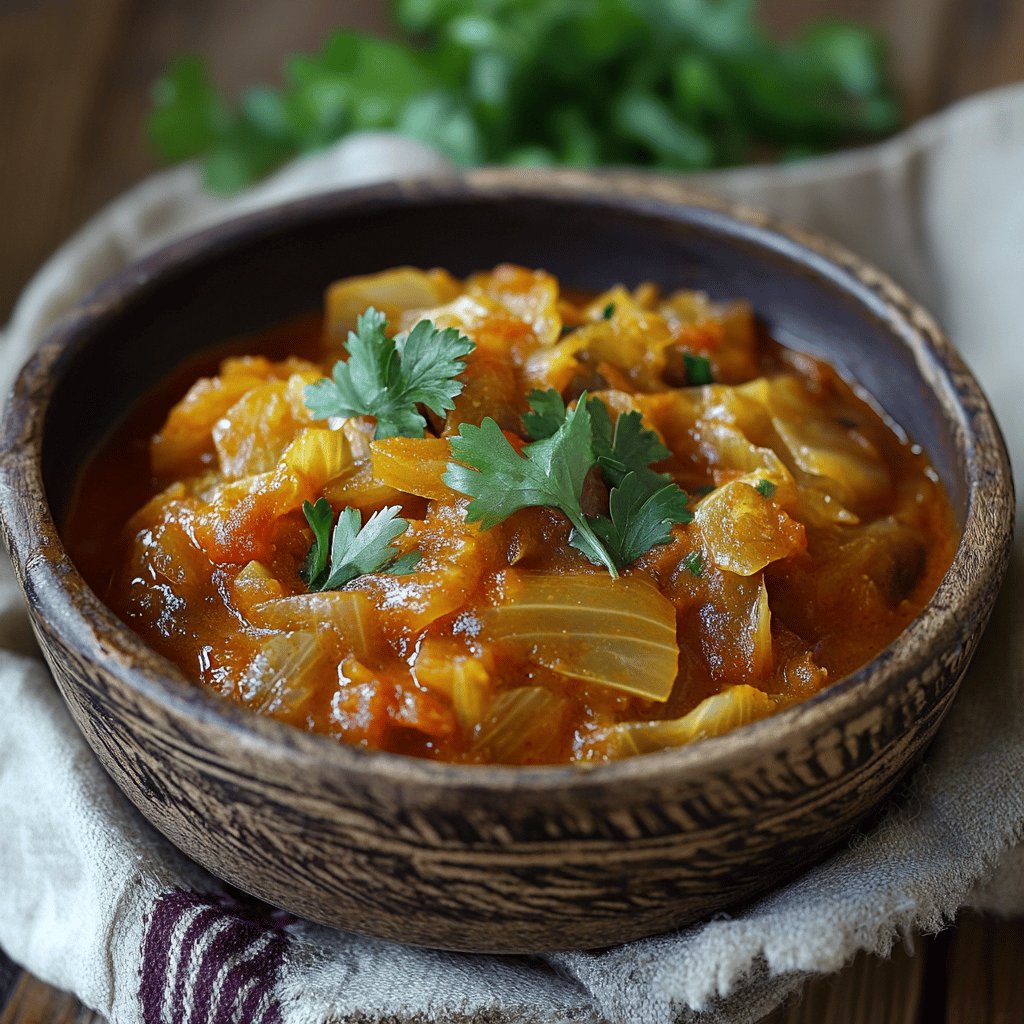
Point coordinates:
[(246, 277)]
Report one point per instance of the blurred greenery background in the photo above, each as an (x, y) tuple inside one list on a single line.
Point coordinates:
[(76, 77), (672, 84)]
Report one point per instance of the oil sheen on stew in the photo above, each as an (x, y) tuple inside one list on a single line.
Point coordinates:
[(540, 527)]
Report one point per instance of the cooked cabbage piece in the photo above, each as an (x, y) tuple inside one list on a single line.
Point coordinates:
[(714, 716), (618, 633), (282, 676), (414, 465), (393, 292), (252, 435), (745, 529), (349, 616), (824, 443), (520, 727)]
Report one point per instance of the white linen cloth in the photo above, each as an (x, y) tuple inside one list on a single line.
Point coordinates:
[(93, 900)]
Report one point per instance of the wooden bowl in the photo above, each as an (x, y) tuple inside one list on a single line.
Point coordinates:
[(496, 858)]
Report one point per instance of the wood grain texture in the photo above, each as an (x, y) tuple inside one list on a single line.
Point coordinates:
[(869, 991), (75, 78), (986, 982), (33, 1002)]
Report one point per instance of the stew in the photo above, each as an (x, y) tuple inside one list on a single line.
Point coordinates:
[(494, 520)]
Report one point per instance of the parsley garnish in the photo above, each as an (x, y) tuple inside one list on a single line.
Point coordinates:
[(643, 505), (694, 561), (546, 415), (765, 488), (549, 472), (354, 550), (637, 520), (698, 369), (320, 517), (387, 378), (608, 312), (628, 447)]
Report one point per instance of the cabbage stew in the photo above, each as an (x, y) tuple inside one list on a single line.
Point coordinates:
[(496, 521)]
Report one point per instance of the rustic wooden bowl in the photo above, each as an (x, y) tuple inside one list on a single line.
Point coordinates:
[(496, 858)]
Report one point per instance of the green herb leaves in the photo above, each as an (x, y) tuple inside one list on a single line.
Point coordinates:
[(637, 521), (320, 517), (592, 82), (388, 377), (354, 550), (643, 505), (549, 472), (629, 448)]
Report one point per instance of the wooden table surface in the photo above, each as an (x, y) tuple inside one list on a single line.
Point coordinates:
[(74, 80)]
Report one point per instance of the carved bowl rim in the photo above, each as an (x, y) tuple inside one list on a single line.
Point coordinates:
[(59, 594)]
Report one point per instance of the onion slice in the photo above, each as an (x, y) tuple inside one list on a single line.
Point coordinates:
[(618, 633)]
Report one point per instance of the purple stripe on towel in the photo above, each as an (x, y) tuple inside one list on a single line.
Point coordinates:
[(190, 949), (226, 948), (259, 972), (156, 953), (257, 995)]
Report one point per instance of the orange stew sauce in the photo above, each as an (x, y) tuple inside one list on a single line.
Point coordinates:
[(817, 532)]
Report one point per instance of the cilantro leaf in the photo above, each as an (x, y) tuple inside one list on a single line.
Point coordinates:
[(626, 447), (320, 517), (608, 312), (547, 414), (638, 520), (765, 488), (550, 472), (698, 369), (388, 377), (355, 550), (629, 447)]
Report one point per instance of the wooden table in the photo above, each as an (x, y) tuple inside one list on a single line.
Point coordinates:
[(74, 80)]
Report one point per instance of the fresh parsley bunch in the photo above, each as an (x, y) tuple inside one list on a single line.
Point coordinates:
[(676, 84)]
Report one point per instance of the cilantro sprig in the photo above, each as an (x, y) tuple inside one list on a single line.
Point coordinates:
[(387, 378), (637, 521), (643, 505), (353, 550), (549, 472)]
